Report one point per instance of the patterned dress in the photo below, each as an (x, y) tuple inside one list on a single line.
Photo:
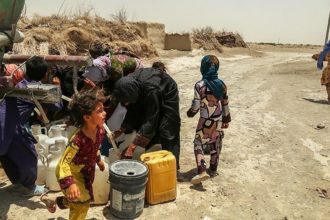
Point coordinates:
[(77, 164), (213, 112)]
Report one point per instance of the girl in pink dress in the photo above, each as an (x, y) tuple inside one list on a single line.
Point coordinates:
[(210, 98)]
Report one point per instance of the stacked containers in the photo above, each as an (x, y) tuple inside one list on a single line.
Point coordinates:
[(161, 185)]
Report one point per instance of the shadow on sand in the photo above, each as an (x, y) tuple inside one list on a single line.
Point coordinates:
[(185, 177), (107, 213), (9, 197), (318, 101)]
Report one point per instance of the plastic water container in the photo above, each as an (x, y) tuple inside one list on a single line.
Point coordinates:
[(161, 186), (101, 186), (55, 153), (128, 180), (55, 133), (42, 161), (39, 132), (40, 137)]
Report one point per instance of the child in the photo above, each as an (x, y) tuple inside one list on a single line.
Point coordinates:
[(100, 71), (325, 79), (76, 169), (324, 56), (18, 155), (212, 101)]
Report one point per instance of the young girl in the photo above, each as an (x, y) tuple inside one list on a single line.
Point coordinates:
[(76, 169), (212, 101)]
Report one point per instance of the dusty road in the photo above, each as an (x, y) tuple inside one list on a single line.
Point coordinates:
[(274, 162)]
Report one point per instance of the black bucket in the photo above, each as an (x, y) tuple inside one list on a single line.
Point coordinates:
[(128, 180)]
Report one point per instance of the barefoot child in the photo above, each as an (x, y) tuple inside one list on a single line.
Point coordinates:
[(212, 101), (76, 169)]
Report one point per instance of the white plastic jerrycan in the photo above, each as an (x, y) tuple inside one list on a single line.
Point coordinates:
[(40, 134), (55, 130), (42, 162), (70, 131), (101, 186), (53, 157), (56, 133), (36, 131)]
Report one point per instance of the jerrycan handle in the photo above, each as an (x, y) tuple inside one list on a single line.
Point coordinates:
[(49, 156), (160, 154), (44, 129), (48, 159)]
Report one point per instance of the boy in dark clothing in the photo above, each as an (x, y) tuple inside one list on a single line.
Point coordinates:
[(17, 151)]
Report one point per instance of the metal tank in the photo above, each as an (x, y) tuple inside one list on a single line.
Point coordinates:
[(10, 12)]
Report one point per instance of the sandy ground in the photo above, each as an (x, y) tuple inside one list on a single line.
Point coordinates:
[(275, 161)]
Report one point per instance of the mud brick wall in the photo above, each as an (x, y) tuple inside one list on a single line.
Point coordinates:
[(178, 42), (153, 31)]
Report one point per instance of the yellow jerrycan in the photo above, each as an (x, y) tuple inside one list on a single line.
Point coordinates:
[(161, 185)]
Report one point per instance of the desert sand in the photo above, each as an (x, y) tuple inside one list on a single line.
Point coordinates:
[(275, 157)]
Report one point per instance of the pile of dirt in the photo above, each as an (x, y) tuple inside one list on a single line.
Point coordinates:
[(229, 39), (208, 39), (63, 35), (204, 38)]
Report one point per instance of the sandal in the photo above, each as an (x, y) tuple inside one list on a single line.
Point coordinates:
[(199, 178), (50, 203), (37, 190), (212, 173)]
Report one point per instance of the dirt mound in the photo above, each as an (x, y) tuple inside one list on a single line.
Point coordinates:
[(229, 39), (207, 39), (72, 35), (204, 38)]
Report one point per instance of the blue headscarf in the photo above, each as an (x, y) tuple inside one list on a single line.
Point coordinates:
[(209, 69), (325, 51)]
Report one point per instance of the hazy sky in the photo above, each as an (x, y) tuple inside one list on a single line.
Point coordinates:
[(278, 21)]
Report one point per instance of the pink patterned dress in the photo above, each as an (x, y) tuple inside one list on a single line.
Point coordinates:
[(213, 112)]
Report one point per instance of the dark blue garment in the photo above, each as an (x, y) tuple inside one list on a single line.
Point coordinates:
[(209, 69), (20, 161), (14, 113), (105, 147), (325, 51), (17, 151)]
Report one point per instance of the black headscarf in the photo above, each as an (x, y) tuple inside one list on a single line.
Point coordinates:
[(127, 89)]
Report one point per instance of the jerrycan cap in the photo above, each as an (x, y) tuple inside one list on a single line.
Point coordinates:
[(128, 168)]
